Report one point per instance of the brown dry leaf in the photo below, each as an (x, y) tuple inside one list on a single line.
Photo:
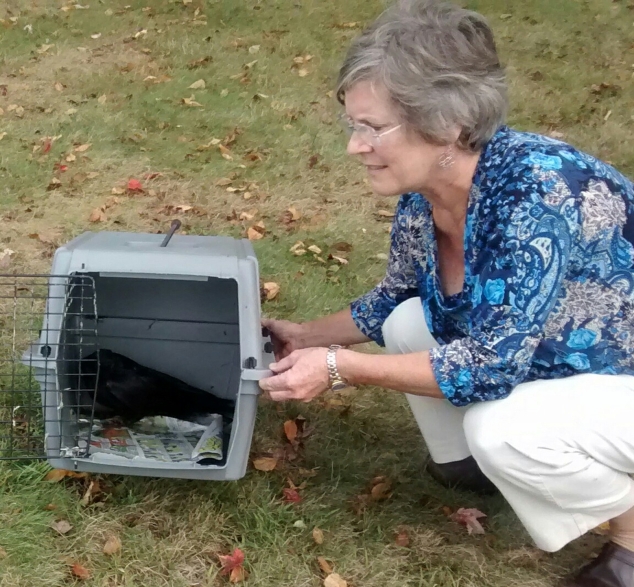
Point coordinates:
[(2, 135), (469, 517), (97, 215), (224, 181), (290, 430), (5, 258), (53, 184), (302, 72), (314, 249), (102, 99), (70, 158), (191, 101), (339, 260), (318, 536), (59, 86), (226, 153), (238, 575), (255, 232), (83, 148), (381, 490), (324, 565), (50, 507), (61, 526), (56, 475), (79, 571), (295, 215), (117, 191), (93, 492), (3, 553), (402, 539), (335, 580), (385, 214), (112, 545), (198, 85), (271, 289), (265, 463)]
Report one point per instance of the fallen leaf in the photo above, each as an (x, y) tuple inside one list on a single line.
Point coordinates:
[(70, 158), (192, 102), (59, 86), (102, 99), (314, 249), (232, 561), (71, 111), (290, 430), (291, 495), (94, 490), (198, 85), (97, 215), (82, 148), (224, 181), (2, 135), (50, 507), (226, 153), (381, 490), (53, 184), (255, 233), (302, 72), (253, 49), (339, 260), (46, 147), (265, 463), (238, 575), (402, 539), (271, 289), (555, 134), (295, 215), (80, 571), (3, 553), (112, 545), (117, 191), (134, 185), (324, 565), (95, 36), (224, 92), (61, 526), (318, 536), (334, 580), (385, 214), (469, 517)]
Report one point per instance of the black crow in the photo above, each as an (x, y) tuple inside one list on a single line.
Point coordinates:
[(130, 391)]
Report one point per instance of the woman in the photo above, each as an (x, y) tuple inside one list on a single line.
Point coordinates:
[(507, 308)]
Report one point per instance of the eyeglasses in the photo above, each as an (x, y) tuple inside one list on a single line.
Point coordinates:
[(366, 133)]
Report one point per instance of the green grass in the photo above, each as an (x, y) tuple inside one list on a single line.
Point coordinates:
[(570, 68)]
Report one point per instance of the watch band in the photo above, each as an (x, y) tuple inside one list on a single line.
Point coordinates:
[(337, 382)]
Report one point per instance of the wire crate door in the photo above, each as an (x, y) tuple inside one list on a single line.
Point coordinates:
[(48, 365)]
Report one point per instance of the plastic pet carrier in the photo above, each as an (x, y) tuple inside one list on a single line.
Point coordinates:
[(139, 354)]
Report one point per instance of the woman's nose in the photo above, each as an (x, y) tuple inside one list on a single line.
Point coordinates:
[(356, 145)]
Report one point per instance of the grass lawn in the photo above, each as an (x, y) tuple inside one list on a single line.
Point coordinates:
[(96, 93)]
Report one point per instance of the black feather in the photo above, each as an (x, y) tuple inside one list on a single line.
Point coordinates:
[(131, 391)]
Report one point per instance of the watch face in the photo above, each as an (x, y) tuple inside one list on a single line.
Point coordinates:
[(338, 386)]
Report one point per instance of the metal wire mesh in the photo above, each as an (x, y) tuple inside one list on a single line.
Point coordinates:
[(47, 381)]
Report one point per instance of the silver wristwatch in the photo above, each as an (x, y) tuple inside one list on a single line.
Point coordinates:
[(337, 382)]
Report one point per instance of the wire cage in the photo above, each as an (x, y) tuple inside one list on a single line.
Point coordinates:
[(47, 389)]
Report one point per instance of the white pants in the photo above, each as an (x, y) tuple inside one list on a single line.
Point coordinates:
[(560, 451)]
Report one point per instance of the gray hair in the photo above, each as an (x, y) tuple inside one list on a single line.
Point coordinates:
[(440, 67)]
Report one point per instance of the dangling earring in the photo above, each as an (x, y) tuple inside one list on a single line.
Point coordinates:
[(447, 159)]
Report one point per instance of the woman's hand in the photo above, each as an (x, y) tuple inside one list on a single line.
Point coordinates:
[(286, 336), (302, 375)]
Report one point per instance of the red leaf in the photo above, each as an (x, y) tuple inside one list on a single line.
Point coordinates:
[(291, 495), (47, 146), (232, 561), (469, 517), (79, 571), (134, 185)]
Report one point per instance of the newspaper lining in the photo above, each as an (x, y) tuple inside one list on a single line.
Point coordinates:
[(160, 439)]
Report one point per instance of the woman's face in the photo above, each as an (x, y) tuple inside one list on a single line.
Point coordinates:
[(399, 161)]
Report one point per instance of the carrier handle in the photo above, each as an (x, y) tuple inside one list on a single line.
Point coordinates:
[(176, 224)]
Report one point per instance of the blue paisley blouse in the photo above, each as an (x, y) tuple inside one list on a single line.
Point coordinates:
[(549, 272)]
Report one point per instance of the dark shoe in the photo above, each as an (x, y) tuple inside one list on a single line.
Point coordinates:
[(614, 567), (464, 474)]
